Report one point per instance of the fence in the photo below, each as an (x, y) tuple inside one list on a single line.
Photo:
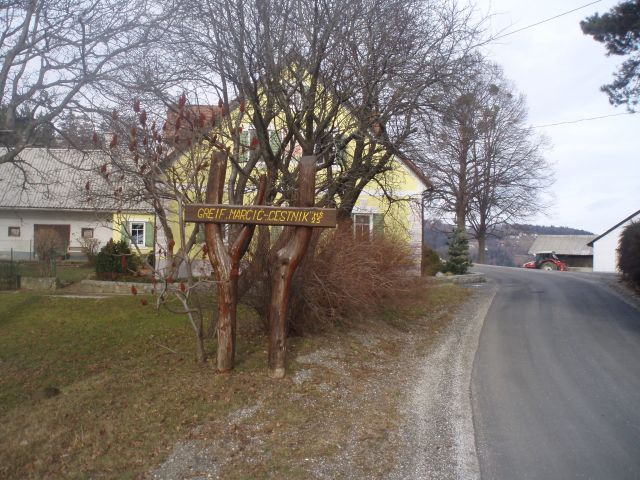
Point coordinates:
[(17, 255), (12, 271), (9, 275)]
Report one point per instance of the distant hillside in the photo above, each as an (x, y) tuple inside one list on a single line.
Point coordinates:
[(509, 247), (548, 230)]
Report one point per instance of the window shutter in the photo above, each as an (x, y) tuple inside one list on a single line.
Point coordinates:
[(274, 142), (200, 234), (275, 231), (244, 146), (148, 234), (378, 224)]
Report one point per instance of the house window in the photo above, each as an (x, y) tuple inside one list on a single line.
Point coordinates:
[(362, 227), (14, 231), (367, 225), (87, 233), (137, 233), (248, 139), (335, 150)]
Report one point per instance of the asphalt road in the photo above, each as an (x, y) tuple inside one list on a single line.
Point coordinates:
[(556, 379)]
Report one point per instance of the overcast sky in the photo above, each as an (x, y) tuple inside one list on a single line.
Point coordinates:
[(560, 71)]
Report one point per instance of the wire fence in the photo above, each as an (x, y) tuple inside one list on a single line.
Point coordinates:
[(9, 275)]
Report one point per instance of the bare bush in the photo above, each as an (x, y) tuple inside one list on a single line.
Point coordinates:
[(90, 247), (347, 278), (48, 244)]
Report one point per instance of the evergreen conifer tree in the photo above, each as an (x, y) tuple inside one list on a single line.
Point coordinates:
[(459, 261)]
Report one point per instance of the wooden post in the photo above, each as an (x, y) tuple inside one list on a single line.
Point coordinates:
[(225, 264), (287, 260)]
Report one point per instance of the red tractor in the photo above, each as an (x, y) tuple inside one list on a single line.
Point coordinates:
[(546, 261)]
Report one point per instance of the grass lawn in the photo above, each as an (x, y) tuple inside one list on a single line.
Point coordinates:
[(129, 387)]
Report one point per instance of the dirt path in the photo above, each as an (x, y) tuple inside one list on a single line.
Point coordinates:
[(378, 400)]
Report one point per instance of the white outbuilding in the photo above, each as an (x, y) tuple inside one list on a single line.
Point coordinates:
[(605, 257)]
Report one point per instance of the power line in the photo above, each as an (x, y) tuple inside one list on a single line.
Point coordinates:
[(583, 119), (547, 20)]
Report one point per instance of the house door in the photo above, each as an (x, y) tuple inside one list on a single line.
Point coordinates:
[(51, 240)]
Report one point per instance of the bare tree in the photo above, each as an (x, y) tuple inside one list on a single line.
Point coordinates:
[(332, 79), (290, 79), (57, 55), (329, 79), (510, 174), (449, 144), (162, 163), (485, 163)]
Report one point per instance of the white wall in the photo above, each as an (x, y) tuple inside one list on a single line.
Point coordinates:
[(605, 257), (26, 219), (604, 252)]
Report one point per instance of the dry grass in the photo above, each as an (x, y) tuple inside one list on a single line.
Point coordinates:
[(125, 399)]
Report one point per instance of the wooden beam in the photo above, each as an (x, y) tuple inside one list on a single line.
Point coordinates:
[(262, 215)]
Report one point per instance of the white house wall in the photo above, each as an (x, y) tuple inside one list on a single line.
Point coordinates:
[(605, 258), (605, 255), (22, 246)]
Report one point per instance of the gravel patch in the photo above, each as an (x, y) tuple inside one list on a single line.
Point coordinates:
[(325, 358), (302, 376), (190, 459), (439, 432), (244, 414)]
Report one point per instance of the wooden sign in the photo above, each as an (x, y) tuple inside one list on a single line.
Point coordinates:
[(262, 215)]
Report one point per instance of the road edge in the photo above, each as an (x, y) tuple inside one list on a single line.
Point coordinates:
[(468, 465), (438, 432)]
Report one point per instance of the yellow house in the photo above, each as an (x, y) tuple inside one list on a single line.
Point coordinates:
[(137, 228), (374, 211), (403, 216)]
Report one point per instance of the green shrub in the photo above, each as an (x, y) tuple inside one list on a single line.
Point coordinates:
[(431, 263), (116, 259), (459, 261), (629, 253)]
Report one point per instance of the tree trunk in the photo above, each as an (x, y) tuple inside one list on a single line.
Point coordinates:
[(226, 265), (482, 240), (462, 197), (201, 354), (222, 267), (461, 212), (287, 260), (226, 326)]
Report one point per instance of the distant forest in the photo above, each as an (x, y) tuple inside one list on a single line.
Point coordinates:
[(508, 247), (547, 230)]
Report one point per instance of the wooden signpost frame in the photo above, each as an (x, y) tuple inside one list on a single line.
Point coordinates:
[(303, 218), (261, 215)]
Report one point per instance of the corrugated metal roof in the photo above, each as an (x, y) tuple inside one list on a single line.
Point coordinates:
[(563, 244), (48, 178)]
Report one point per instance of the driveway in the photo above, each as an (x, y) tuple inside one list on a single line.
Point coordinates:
[(556, 379)]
